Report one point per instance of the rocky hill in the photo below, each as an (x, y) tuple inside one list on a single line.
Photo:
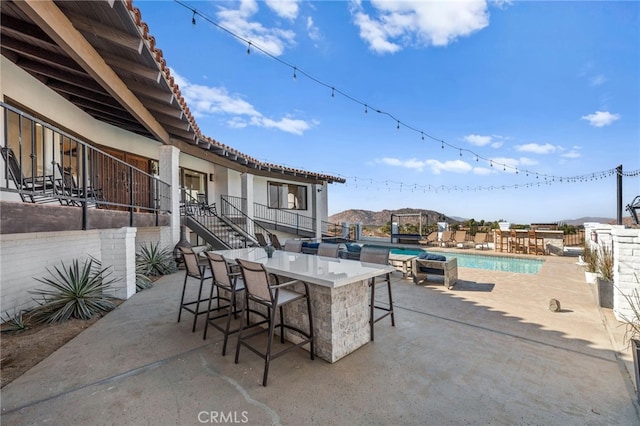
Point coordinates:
[(368, 217)]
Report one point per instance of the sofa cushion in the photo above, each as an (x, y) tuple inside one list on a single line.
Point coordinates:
[(432, 256), (353, 248), (307, 244)]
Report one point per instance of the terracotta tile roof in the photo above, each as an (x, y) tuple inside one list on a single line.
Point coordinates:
[(207, 142)]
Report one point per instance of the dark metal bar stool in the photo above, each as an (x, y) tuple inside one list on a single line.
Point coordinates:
[(223, 280), (194, 269), (259, 290), (381, 256)]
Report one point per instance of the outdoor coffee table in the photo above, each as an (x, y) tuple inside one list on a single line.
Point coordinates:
[(402, 262)]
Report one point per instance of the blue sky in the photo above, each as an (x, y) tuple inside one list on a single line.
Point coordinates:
[(519, 103)]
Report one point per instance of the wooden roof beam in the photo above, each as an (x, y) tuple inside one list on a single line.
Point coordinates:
[(57, 26), (97, 29)]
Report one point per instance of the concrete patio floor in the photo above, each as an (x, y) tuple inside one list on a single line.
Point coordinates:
[(488, 351)]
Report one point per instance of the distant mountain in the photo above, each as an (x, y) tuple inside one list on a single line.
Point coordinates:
[(582, 220), (368, 217)]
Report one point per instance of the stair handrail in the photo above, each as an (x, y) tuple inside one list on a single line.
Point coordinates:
[(229, 209)]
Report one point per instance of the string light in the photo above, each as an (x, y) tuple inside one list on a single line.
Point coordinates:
[(296, 70)]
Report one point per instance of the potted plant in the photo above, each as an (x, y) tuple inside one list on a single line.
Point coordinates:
[(605, 280), (632, 334), (590, 257)]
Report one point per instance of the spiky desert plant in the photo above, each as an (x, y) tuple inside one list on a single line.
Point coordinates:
[(13, 324), (142, 281), (605, 263), (78, 291), (632, 319), (153, 260), (590, 257)]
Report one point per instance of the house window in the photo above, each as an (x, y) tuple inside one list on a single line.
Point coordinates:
[(287, 196)]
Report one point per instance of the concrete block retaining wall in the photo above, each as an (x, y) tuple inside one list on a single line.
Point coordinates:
[(24, 257)]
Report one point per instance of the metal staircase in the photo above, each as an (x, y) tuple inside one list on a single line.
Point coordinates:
[(218, 232)]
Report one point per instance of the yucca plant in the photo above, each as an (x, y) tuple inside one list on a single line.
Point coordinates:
[(77, 291), (13, 324), (142, 281), (152, 260)]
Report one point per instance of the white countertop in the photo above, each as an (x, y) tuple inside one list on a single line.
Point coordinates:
[(324, 271)]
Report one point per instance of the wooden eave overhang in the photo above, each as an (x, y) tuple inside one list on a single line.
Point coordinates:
[(100, 56)]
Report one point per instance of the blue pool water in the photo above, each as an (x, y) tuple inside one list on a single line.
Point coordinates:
[(491, 263)]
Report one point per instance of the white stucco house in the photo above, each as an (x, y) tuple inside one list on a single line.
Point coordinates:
[(100, 153)]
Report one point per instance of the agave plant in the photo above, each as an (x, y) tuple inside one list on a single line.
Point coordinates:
[(151, 260), (78, 291), (13, 324), (142, 281)]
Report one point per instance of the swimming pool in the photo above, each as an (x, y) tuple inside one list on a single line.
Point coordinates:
[(491, 263)]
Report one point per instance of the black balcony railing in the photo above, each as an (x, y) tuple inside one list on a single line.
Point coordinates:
[(283, 218), (232, 208), (44, 164)]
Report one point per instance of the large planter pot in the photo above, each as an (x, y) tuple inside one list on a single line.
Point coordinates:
[(635, 351), (591, 277), (605, 293)]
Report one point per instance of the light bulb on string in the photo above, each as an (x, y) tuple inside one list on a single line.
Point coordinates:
[(366, 110), (332, 92), (193, 18), (442, 144), (248, 48), (294, 73), (398, 126)]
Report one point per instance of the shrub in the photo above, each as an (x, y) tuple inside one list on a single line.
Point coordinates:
[(13, 324), (590, 257), (142, 281), (76, 291), (605, 263), (153, 261), (632, 320)]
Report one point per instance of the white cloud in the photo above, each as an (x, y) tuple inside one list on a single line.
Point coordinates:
[(597, 80), (482, 171), (312, 30), (207, 101), (455, 166), (536, 148), (479, 140), (437, 167), (284, 8), (571, 154), (273, 40), (524, 161), (393, 25), (601, 118)]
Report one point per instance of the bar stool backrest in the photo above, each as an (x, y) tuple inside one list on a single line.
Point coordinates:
[(328, 249), (256, 279), (191, 262), (375, 255), (293, 246), (219, 269)]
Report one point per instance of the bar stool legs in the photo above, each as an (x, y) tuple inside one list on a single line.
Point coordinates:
[(372, 306)]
